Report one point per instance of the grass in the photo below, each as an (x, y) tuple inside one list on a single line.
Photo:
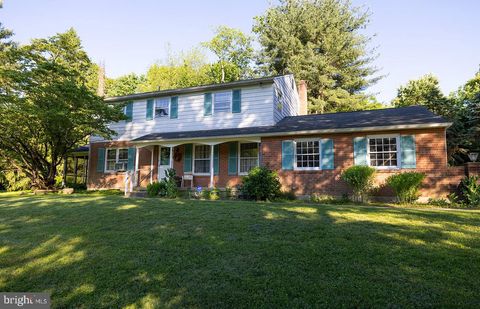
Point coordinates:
[(107, 251)]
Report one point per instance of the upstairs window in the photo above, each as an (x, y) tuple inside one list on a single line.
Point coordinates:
[(222, 101), (382, 151), (162, 107)]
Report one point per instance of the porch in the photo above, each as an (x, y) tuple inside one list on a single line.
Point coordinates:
[(198, 162)]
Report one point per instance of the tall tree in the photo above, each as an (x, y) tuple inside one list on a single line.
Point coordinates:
[(234, 51), (181, 70), (319, 41), (423, 91), (47, 106), (461, 108), (123, 85)]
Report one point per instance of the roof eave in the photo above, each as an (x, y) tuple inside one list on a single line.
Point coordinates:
[(306, 132)]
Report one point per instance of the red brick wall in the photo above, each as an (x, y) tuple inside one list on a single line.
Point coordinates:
[(431, 160), (98, 180)]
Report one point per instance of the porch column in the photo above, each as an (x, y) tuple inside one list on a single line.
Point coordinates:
[(75, 172), (64, 179), (211, 166), (135, 170), (151, 165)]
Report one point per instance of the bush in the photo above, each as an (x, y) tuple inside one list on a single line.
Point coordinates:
[(15, 181), (361, 179), (287, 195), (261, 184), (210, 194), (406, 186), (328, 199), (469, 190), (153, 189)]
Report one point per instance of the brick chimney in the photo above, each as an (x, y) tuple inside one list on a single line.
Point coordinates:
[(302, 94)]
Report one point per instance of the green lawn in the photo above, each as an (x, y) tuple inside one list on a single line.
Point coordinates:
[(107, 251)]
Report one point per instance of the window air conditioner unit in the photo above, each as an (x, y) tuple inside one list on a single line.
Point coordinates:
[(121, 167)]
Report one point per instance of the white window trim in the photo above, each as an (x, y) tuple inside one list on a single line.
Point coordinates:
[(213, 102), (193, 161), (399, 153), (117, 153), (319, 168), (239, 156), (155, 108)]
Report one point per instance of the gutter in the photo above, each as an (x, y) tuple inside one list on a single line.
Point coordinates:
[(306, 132)]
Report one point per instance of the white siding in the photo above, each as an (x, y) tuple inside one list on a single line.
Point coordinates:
[(286, 100), (257, 104)]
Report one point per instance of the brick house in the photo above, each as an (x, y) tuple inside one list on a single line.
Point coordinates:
[(213, 135)]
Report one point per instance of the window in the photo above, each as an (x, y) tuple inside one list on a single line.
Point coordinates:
[(201, 159), (162, 107), (382, 151), (248, 157), (307, 155), (117, 159), (222, 101)]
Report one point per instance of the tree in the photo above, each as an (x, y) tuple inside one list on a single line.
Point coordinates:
[(423, 91), (461, 108), (319, 41), (178, 71), (47, 107), (234, 51), (123, 85)]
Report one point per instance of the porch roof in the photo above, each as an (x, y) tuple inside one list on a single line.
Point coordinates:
[(412, 117)]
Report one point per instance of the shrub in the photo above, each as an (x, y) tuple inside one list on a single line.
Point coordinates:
[(153, 189), (210, 194), (287, 196), (328, 199), (16, 181), (406, 186), (261, 184), (439, 202), (361, 179), (170, 184), (469, 190)]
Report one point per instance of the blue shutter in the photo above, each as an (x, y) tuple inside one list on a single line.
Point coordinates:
[(207, 104), (129, 111), (232, 158), (237, 101), (408, 152), (131, 159), (187, 159), (149, 109), (327, 154), (173, 107), (360, 151), (288, 155), (216, 161), (101, 160)]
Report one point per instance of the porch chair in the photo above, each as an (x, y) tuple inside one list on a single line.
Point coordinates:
[(188, 177)]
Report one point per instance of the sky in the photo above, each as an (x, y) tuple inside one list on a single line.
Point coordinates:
[(412, 37)]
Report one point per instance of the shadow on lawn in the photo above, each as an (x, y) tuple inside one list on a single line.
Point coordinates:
[(112, 252)]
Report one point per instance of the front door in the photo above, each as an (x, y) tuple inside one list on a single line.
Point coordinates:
[(163, 162)]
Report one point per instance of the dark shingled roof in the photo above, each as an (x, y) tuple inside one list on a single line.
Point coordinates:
[(403, 116)]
